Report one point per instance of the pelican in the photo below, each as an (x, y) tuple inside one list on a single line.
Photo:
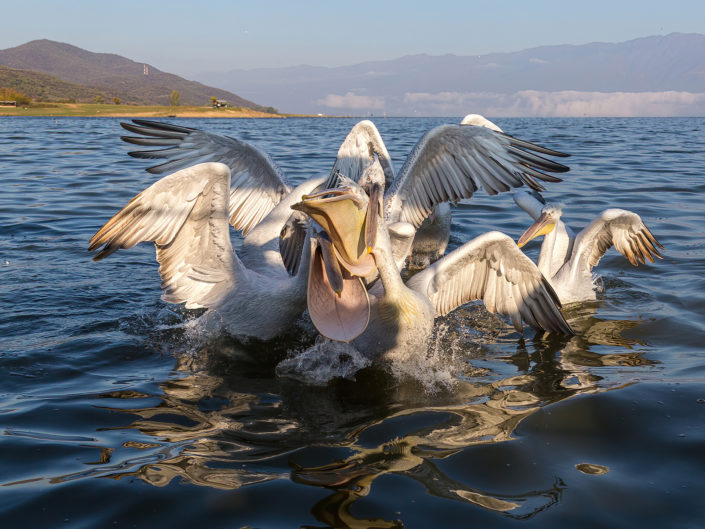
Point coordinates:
[(257, 183), (395, 319), (449, 163), (567, 260), (186, 215)]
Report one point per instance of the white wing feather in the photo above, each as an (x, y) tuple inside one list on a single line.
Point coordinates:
[(492, 268), (257, 184), (451, 162), (620, 228), (358, 151), (185, 215)]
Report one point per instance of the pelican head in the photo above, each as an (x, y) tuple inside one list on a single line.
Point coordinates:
[(344, 213), (337, 300), (544, 225)]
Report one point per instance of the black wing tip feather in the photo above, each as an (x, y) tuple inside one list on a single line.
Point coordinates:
[(534, 160), (562, 325), (163, 125), (535, 146)]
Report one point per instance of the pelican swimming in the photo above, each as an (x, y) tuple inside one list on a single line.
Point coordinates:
[(186, 215), (449, 163), (395, 319), (567, 260)]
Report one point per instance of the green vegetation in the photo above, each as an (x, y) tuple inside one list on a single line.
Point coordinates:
[(7, 94), (41, 87), (122, 110), (175, 98)]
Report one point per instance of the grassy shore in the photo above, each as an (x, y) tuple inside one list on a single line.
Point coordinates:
[(87, 110)]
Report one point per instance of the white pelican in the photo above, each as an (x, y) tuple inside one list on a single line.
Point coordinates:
[(397, 318), (449, 163), (432, 235), (567, 260), (257, 182), (185, 215)]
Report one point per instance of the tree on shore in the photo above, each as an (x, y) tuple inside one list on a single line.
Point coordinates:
[(7, 94), (99, 99), (116, 100), (175, 98)]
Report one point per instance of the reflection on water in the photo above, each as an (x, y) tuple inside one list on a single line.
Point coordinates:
[(228, 421), (468, 436)]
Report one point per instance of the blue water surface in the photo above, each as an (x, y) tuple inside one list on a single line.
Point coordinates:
[(112, 415)]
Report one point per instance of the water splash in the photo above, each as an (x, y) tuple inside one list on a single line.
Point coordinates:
[(322, 362)]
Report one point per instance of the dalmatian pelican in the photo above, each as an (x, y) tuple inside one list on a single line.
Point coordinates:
[(186, 215), (394, 319), (567, 260)]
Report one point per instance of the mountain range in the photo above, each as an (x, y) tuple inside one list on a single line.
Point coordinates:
[(48, 70), (658, 75), (650, 76)]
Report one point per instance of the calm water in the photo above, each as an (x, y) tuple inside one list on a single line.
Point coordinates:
[(112, 416)]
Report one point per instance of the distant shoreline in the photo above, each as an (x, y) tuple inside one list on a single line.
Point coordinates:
[(136, 111)]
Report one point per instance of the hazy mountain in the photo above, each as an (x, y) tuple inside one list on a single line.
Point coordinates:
[(109, 75), (651, 75)]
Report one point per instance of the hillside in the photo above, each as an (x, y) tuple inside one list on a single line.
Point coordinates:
[(496, 83), (43, 87), (108, 74)]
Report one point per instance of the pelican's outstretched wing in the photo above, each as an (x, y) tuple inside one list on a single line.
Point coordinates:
[(451, 162), (358, 151), (256, 183), (185, 215), (492, 268), (619, 228)]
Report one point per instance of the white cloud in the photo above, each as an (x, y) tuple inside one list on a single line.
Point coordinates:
[(567, 103), (537, 60), (619, 104), (352, 101)]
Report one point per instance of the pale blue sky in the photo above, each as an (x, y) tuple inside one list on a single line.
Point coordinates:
[(217, 35)]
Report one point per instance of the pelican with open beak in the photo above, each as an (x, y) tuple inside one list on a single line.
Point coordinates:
[(341, 256), (398, 317)]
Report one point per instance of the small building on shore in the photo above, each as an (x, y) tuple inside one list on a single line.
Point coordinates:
[(220, 103), (8, 103)]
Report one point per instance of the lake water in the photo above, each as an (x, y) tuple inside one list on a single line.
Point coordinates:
[(111, 415)]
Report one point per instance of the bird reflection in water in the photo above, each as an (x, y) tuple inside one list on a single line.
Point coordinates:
[(230, 421)]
